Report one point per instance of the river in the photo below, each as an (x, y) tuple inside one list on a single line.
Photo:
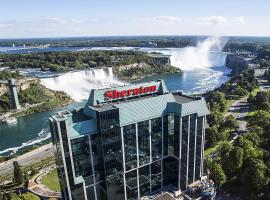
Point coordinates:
[(199, 77)]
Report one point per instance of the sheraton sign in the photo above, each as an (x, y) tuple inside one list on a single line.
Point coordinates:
[(115, 94)]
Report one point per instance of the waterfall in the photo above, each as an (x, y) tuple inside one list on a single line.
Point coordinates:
[(206, 54), (110, 72), (79, 84)]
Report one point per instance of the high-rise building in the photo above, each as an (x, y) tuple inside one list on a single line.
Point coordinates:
[(128, 142)]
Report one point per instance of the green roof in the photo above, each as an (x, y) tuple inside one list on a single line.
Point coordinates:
[(149, 108), (83, 128)]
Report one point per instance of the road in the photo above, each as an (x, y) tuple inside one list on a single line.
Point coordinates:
[(27, 159), (239, 109), (263, 83)]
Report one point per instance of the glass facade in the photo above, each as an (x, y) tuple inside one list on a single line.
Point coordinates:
[(129, 162)]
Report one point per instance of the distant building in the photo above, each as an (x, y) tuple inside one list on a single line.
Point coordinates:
[(128, 142)]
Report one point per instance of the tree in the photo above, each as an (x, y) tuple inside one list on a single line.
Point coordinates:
[(236, 159), (255, 177), (211, 135), (261, 119), (230, 122), (248, 149), (18, 174), (217, 174), (26, 179), (224, 149), (214, 119), (218, 101)]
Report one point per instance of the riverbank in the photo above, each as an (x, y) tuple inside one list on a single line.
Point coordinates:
[(33, 99)]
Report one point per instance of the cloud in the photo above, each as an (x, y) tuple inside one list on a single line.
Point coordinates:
[(168, 19), (240, 20), (214, 19)]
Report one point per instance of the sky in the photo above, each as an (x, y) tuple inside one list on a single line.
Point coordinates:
[(71, 18)]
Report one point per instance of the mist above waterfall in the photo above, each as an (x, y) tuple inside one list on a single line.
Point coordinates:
[(207, 53), (79, 84)]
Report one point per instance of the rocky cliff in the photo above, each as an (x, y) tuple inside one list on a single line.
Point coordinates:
[(236, 64), (23, 84)]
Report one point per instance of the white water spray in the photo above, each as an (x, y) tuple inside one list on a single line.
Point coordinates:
[(79, 84), (206, 54)]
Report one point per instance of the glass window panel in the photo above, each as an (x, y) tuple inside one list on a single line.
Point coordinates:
[(115, 187), (170, 171), (191, 148), (144, 180), (101, 191), (156, 175), (184, 152), (156, 137), (97, 157), (198, 147), (176, 135), (90, 193), (129, 133), (81, 158), (132, 185), (144, 142)]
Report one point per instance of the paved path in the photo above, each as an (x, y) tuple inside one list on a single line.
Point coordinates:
[(27, 159), (263, 83), (239, 109), (35, 185)]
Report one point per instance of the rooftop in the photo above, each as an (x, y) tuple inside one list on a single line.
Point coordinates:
[(153, 101)]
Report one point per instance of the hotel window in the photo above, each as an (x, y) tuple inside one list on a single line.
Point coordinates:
[(168, 134), (199, 147), (115, 187), (144, 180), (81, 158), (97, 157), (144, 142), (90, 193), (129, 133), (112, 151), (132, 185), (176, 135), (170, 171), (156, 175), (192, 135), (156, 137), (184, 152)]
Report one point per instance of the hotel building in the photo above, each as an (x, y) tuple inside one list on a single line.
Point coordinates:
[(129, 142)]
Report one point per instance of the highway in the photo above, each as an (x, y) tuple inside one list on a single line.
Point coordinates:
[(27, 159)]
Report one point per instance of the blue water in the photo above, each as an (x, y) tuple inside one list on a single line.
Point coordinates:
[(34, 128)]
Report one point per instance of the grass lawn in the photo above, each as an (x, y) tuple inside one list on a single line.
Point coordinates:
[(51, 181), (211, 150)]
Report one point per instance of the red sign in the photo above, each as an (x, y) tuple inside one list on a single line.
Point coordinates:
[(115, 94)]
